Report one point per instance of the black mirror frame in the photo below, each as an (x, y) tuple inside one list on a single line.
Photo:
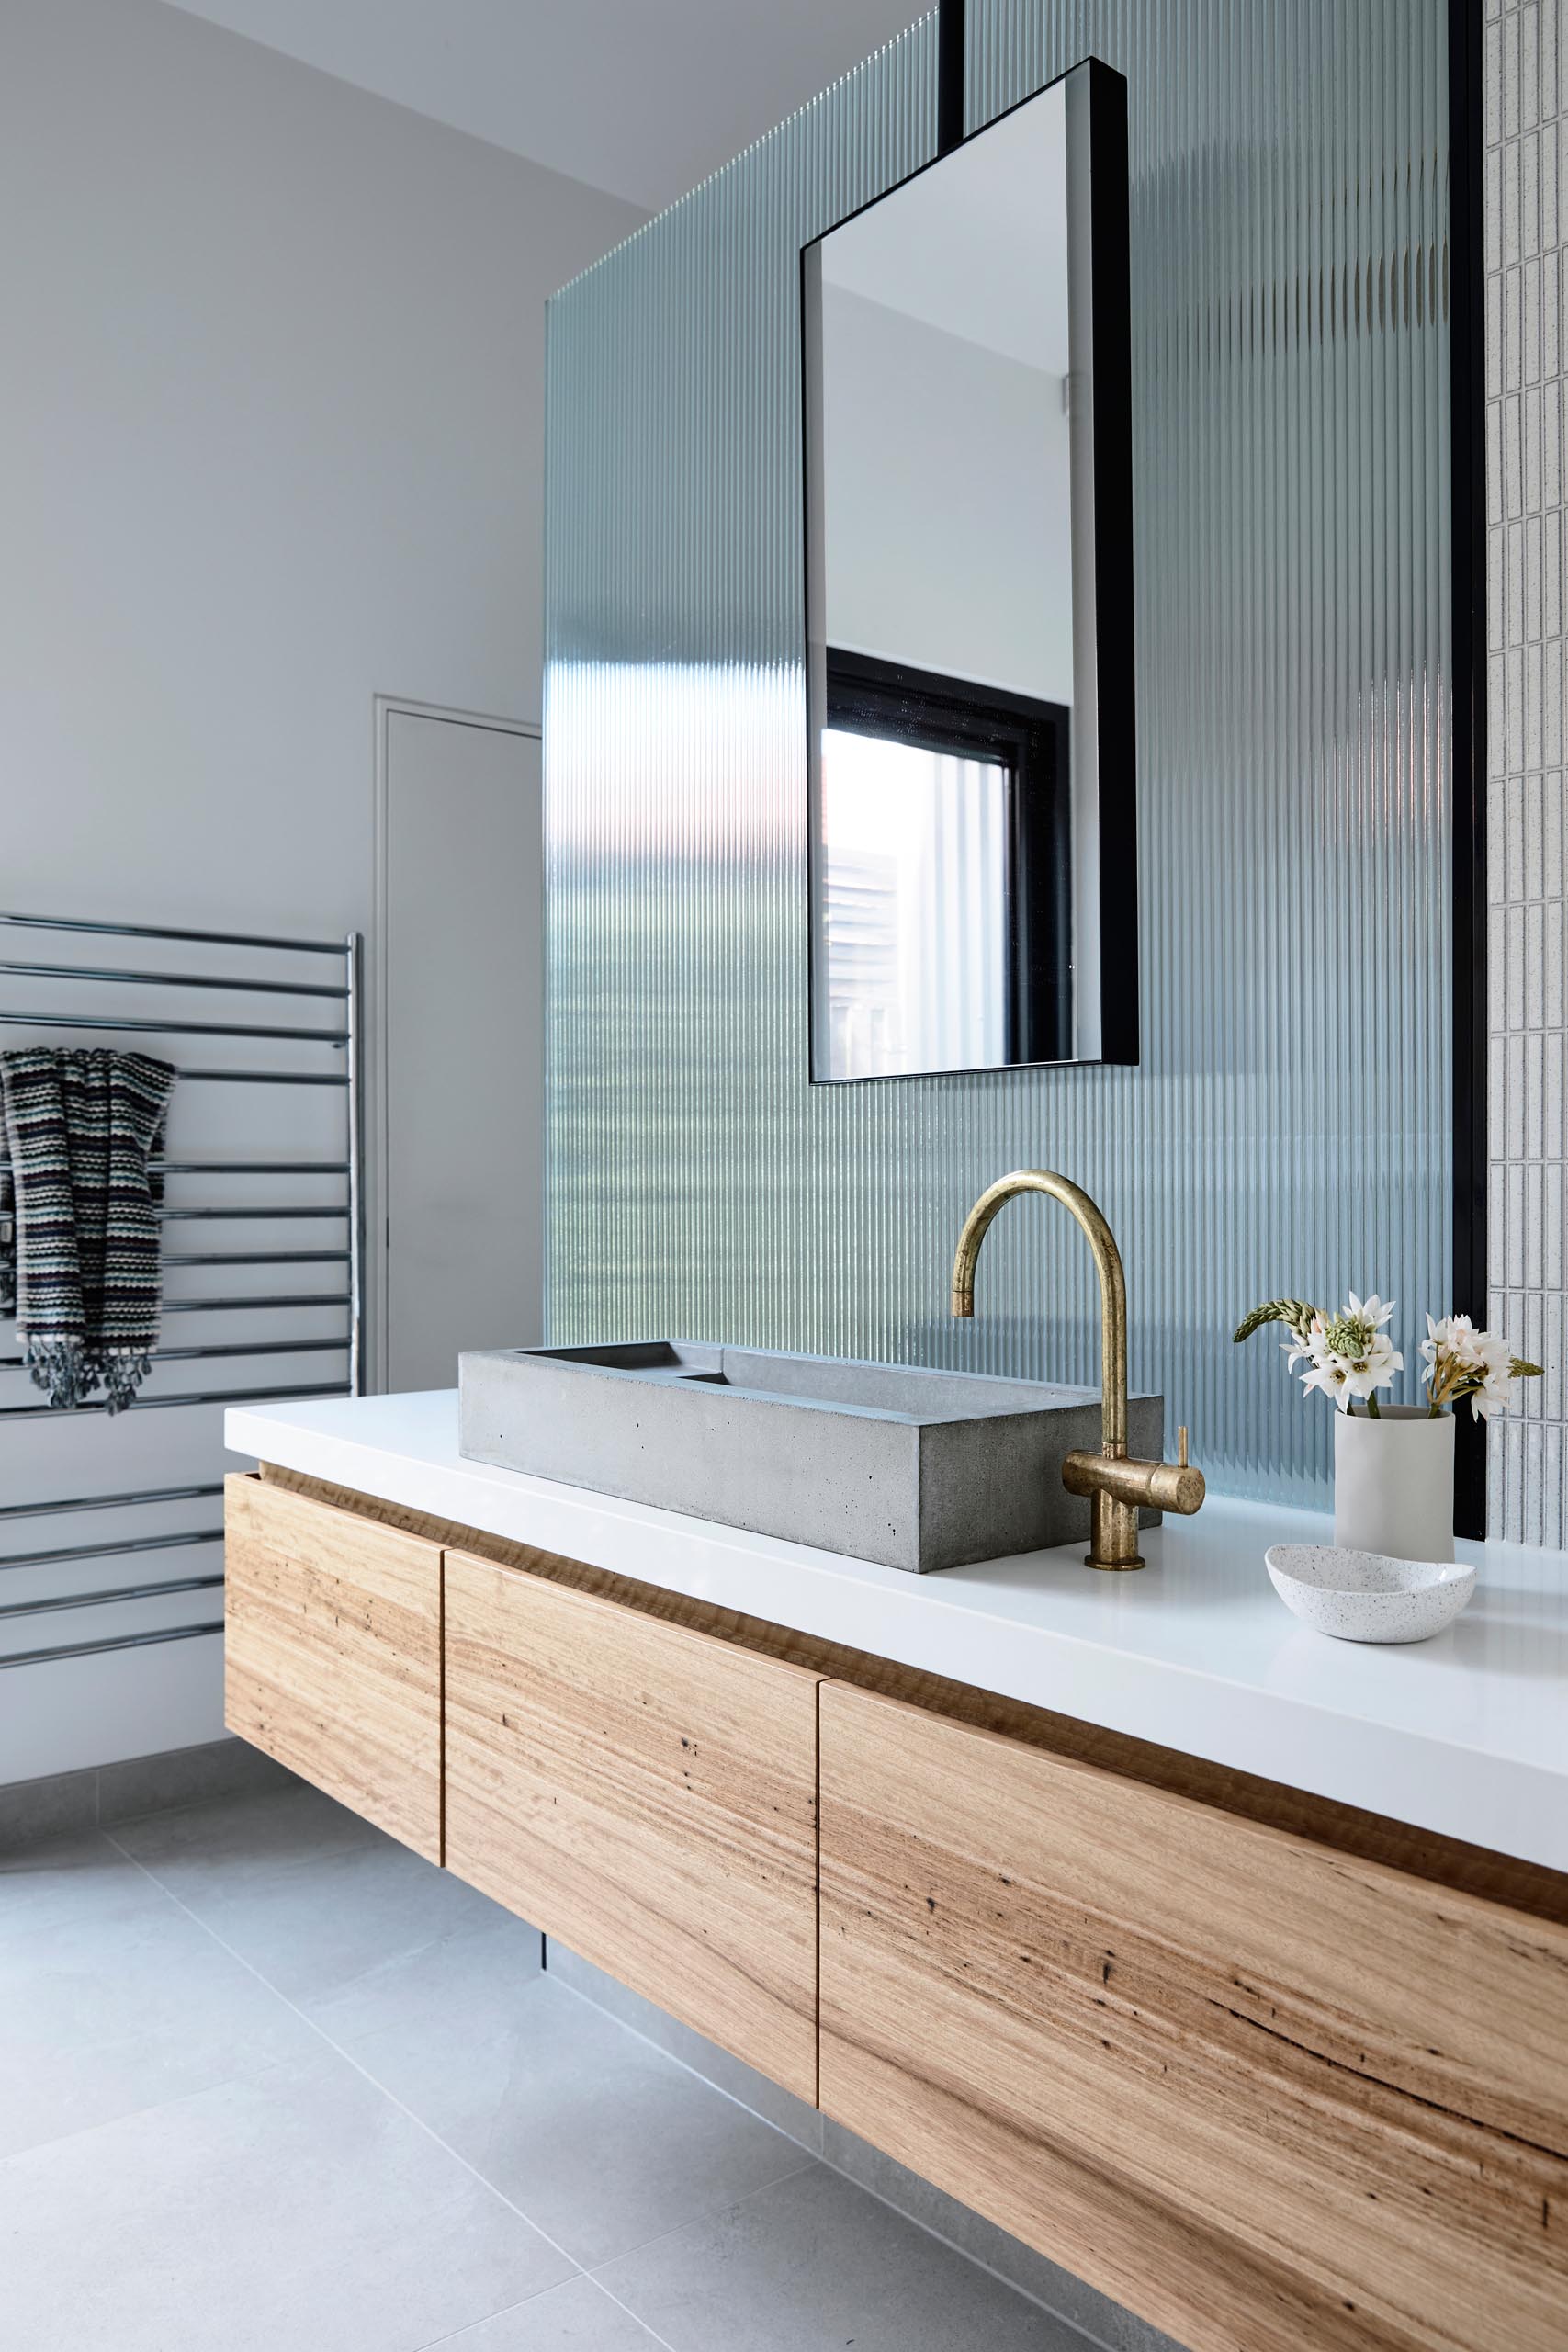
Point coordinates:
[(1115, 722)]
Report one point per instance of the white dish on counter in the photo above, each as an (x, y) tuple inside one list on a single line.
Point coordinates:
[(1368, 1596)]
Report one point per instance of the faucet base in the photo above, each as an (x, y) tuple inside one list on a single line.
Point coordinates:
[(1115, 1567), (1114, 1523)]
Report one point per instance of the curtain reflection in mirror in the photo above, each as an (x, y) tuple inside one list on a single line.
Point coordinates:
[(915, 872)]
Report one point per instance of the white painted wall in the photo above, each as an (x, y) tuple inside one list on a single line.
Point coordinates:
[(271, 434), (947, 498)]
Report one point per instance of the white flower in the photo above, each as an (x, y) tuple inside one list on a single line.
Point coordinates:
[(1493, 1393), (1300, 1345), (1463, 1361), (1457, 1339), (1375, 1368), (1350, 1356)]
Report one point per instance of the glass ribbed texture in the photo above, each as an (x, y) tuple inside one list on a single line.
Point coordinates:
[(1288, 1128)]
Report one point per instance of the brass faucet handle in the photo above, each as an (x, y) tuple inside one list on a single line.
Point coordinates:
[(1181, 1446), (1155, 1486)]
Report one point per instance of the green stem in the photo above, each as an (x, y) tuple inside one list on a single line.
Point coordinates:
[(1374, 1409)]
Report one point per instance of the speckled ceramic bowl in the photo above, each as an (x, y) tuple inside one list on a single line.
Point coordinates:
[(1366, 1596)]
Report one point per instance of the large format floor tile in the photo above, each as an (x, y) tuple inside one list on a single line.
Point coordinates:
[(599, 2137), (470, 1983), (578, 2317), (312, 1898), (112, 1998), (59, 1880), (279, 2086), (226, 1844), (792, 2114), (296, 2209), (812, 2263)]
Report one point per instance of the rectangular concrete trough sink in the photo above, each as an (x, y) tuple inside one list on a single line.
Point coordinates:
[(885, 1462)]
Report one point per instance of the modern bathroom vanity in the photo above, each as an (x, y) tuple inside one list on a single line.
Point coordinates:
[(1225, 1965)]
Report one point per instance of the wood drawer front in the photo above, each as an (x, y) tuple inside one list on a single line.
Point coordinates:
[(332, 1653), (646, 1794), (1274, 2099)]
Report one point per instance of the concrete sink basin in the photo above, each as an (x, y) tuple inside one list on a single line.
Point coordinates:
[(886, 1462)]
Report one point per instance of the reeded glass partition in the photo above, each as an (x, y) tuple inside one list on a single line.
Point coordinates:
[(1288, 1124)]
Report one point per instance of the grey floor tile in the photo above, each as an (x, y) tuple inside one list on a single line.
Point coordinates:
[(200, 2170), (314, 1904), (56, 1879), (578, 2317), (296, 2209), (121, 2003), (50, 1807), (815, 2263), (183, 1776), (234, 1841), (599, 2138), (478, 1974), (792, 2115)]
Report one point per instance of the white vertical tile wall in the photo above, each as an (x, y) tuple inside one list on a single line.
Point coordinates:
[(1527, 388)]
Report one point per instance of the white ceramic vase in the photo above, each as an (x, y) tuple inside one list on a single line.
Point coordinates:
[(1394, 1482)]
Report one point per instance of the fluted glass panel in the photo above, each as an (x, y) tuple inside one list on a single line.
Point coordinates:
[(1288, 1126)]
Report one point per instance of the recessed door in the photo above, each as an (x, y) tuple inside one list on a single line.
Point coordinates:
[(462, 1051)]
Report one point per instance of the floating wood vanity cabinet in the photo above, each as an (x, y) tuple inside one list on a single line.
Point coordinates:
[(1274, 2097), (646, 1794), (333, 1653), (1278, 2077)]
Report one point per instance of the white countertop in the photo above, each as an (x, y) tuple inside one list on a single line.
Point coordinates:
[(1466, 1734)]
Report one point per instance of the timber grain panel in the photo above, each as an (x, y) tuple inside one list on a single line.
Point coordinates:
[(1502, 1878), (647, 1794), (332, 1653), (1273, 2097)]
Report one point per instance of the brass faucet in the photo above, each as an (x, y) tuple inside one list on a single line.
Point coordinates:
[(1117, 1484)]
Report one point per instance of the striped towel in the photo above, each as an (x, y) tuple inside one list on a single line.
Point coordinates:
[(78, 1224)]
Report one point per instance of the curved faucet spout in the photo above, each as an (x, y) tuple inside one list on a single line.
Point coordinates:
[(1112, 1282), (1116, 1488)]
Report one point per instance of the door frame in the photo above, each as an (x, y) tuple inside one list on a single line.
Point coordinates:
[(384, 708)]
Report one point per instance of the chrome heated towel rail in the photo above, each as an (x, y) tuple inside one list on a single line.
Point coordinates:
[(339, 1037)]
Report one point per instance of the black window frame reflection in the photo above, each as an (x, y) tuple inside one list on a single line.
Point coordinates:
[(1030, 741)]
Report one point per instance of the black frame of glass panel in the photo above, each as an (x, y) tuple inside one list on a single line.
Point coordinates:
[(895, 702), (1467, 362), (1109, 238)]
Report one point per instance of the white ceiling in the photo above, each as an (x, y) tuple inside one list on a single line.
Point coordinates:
[(644, 97)]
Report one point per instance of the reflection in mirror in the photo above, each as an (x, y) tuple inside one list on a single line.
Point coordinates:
[(909, 834), (968, 577)]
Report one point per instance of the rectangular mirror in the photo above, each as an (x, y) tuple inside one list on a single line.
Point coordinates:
[(968, 521)]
